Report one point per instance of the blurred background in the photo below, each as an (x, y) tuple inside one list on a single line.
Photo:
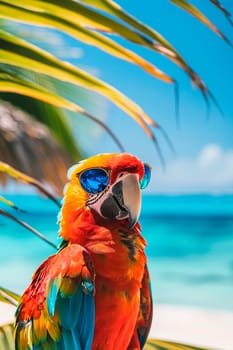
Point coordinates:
[(187, 212)]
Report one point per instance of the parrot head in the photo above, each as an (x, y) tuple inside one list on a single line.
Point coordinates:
[(109, 185)]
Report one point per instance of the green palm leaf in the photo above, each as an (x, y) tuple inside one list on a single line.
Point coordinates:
[(19, 53), (66, 14), (156, 344), (69, 26), (148, 37), (7, 330), (19, 176), (8, 203), (7, 337), (8, 296), (191, 9), (38, 101), (11, 83), (82, 21)]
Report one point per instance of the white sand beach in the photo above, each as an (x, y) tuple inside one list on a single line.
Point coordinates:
[(196, 326), (6, 313)]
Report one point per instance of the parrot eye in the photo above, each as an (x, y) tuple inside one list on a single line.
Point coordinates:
[(146, 178), (94, 180)]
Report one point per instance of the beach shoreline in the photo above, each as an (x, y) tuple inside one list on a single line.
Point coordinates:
[(192, 325)]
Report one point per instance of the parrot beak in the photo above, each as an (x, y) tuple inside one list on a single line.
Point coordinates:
[(121, 201), (131, 196)]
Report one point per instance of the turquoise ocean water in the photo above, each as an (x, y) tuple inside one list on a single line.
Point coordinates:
[(190, 247)]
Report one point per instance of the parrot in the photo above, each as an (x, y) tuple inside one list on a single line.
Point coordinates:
[(94, 292)]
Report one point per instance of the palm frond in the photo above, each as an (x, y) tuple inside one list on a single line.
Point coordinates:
[(6, 169), (7, 337), (57, 19), (141, 34), (19, 53), (195, 12), (9, 203), (7, 296), (28, 146), (39, 102), (157, 344), (28, 227), (85, 22), (67, 14), (223, 10)]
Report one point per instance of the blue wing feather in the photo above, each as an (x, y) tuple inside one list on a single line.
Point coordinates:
[(52, 296), (76, 315), (86, 322), (69, 341), (69, 308), (66, 320)]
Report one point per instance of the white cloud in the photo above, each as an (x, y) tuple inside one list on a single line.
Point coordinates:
[(211, 171)]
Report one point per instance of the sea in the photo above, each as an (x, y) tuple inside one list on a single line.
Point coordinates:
[(189, 246)]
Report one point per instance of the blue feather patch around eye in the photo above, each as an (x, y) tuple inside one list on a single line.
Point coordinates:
[(146, 178)]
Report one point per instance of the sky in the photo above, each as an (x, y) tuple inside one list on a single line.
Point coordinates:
[(203, 157)]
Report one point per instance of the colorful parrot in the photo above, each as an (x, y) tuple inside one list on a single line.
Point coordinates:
[(94, 293)]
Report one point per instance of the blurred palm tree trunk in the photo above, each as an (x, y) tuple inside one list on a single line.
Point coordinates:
[(29, 146)]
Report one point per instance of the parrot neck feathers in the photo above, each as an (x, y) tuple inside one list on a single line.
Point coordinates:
[(81, 228)]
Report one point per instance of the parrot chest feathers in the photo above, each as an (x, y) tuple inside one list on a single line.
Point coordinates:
[(123, 266), (118, 282)]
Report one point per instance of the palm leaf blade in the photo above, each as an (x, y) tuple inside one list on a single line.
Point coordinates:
[(191, 9), (223, 10), (19, 176), (147, 37), (12, 12), (8, 296), (157, 344), (8, 203), (13, 84), (7, 337), (19, 86), (73, 13), (28, 227), (17, 52)]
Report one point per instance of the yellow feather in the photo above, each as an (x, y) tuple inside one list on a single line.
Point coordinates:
[(54, 329), (25, 338), (40, 329), (68, 286)]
